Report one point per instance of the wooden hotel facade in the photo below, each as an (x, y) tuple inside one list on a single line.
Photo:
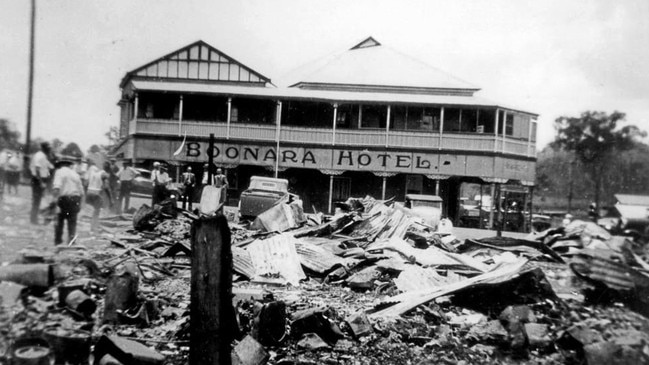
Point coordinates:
[(369, 120)]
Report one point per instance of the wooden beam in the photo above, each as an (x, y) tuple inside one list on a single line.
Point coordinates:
[(333, 136), (212, 320)]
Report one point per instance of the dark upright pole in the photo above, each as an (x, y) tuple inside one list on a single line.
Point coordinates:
[(212, 318), (210, 159), (30, 88)]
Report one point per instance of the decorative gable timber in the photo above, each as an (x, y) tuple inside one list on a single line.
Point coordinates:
[(198, 61), (368, 42)]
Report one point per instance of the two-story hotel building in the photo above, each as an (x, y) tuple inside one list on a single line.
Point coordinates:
[(369, 120)]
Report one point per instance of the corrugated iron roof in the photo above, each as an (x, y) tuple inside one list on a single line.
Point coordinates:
[(633, 212), (628, 199), (379, 65), (276, 256), (316, 258)]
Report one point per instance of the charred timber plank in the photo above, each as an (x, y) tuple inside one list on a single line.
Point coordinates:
[(212, 325)]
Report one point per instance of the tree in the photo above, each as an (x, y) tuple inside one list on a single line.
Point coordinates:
[(113, 138), (594, 137), (9, 137), (72, 149)]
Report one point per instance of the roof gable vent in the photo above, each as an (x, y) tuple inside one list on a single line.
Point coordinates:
[(368, 42)]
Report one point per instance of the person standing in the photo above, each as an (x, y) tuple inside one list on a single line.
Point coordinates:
[(13, 173), (126, 177), (4, 159), (159, 179), (40, 169), (113, 181), (67, 190), (189, 182), (206, 174), (221, 182), (97, 183)]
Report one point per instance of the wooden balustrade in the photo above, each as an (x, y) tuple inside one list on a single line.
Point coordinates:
[(344, 137)]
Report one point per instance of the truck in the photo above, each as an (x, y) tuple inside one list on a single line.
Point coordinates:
[(262, 193)]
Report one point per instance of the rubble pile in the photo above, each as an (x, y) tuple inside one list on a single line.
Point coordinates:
[(371, 284)]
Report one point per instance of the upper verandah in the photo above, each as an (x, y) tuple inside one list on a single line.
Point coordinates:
[(367, 72)]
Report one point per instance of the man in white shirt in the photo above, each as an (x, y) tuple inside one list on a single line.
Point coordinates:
[(159, 179), (13, 172), (68, 192), (40, 167), (97, 185), (126, 176)]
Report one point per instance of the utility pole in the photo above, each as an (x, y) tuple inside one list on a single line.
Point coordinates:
[(30, 87)]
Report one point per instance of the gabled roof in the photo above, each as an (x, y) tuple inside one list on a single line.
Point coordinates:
[(197, 61), (371, 65)]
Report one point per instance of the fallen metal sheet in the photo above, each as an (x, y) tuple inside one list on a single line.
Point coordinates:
[(596, 266), (383, 222), (280, 217), (316, 258), (276, 256), (418, 278), (525, 247), (578, 228), (431, 256), (405, 302), (331, 245), (242, 263)]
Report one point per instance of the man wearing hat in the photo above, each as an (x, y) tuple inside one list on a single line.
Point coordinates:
[(189, 182), (67, 191)]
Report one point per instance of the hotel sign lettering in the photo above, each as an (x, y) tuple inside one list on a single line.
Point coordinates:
[(337, 159)]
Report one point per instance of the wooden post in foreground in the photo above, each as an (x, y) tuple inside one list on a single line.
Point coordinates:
[(212, 322), (210, 159)]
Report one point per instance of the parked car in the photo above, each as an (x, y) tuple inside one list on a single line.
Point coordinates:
[(426, 207), (142, 184), (262, 194)]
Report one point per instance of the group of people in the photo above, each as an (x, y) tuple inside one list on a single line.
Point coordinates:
[(73, 182), (189, 183), (10, 167)]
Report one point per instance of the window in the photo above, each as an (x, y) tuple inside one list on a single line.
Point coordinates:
[(307, 114), (509, 124), (468, 120), (486, 119), (157, 105), (342, 187), (373, 116), (347, 116), (533, 126), (415, 118), (257, 111), (414, 184), (451, 120), (205, 108)]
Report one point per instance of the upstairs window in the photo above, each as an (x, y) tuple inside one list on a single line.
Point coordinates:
[(509, 124), (373, 116), (414, 118), (451, 120), (347, 116), (486, 121)]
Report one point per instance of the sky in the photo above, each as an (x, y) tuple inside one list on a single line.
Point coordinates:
[(553, 57)]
